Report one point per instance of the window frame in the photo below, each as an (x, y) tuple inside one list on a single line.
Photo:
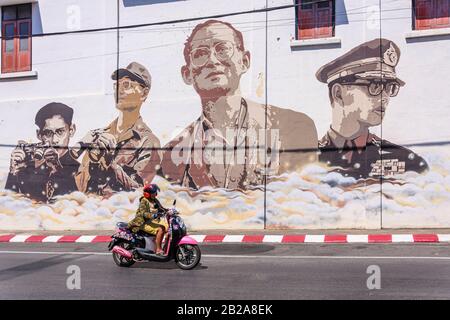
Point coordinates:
[(21, 59), (331, 34), (433, 21)]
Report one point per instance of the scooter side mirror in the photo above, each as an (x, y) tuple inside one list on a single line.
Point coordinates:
[(175, 202)]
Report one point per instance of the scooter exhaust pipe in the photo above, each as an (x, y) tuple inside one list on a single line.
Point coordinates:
[(122, 252)]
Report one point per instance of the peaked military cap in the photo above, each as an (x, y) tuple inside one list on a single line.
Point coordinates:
[(135, 71), (374, 59)]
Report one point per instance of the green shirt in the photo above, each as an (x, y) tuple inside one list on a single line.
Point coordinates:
[(147, 207)]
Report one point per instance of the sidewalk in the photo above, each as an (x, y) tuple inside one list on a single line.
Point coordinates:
[(248, 236), (246, 231)]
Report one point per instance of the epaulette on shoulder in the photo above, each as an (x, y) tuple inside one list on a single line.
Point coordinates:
[(375, 140)]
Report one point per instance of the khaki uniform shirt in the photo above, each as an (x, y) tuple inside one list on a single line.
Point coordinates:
[(137, 156), (204, 156)]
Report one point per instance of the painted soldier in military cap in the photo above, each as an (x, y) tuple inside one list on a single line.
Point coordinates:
[(125, 154), (361, 84)]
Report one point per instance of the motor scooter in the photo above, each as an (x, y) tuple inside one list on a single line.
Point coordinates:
[(128, 247)]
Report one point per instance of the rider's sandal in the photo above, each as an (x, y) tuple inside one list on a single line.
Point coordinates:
[(160, 253)]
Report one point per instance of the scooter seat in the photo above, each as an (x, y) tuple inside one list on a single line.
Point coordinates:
[(145, 234)]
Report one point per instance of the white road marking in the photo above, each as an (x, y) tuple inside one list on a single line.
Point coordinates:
[(272, 238), (357, 238), (20, 238), (51, 239), (315, 238), (85, 239), (198, 237), (444, 237), (241, 256), (402, 238), (233, 238)]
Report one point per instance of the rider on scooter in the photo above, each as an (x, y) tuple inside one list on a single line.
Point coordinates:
[(147, 219)]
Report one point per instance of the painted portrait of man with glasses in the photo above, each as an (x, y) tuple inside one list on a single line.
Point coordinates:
[(45, 169), (125, 154), (236, 142), (361, 84)]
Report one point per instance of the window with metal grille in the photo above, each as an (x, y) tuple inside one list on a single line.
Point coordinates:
[(315, 19), (431, 14), (16, 38)]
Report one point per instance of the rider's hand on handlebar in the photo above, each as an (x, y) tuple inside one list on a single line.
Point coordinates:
[(158, 214)]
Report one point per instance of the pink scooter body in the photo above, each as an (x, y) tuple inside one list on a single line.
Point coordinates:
[(187, 240)]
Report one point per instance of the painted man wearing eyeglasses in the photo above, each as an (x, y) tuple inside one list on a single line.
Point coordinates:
[(361, 84), (125, 154), (44, 170), (228, 146)]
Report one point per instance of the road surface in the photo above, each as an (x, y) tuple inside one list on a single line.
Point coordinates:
[(231, 271)]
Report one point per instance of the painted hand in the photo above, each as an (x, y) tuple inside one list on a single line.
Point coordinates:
[(103, 148), (17, 162), (107, 141), (51, 158)]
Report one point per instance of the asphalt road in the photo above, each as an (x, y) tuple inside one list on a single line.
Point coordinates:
[(230, 271)]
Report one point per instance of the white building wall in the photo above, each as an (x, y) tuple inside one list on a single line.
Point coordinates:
[(75, 69)]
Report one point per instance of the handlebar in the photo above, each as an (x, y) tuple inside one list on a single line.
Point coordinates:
[(158, 215), (162, 212)]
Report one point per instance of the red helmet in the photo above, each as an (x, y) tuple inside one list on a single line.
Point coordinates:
[(151, 189)]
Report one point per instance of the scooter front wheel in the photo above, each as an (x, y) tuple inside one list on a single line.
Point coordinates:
[(187, 256)]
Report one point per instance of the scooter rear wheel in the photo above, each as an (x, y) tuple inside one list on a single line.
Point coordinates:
[(120, 260), (191, 256)]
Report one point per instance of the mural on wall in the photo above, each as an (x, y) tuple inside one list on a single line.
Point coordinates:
[(231, 145), (45, 169), (361, 84), (126, 153), (218, 165)]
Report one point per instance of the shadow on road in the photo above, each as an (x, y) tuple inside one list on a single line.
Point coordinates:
[(236, 249), (164, 266), (29, 268)]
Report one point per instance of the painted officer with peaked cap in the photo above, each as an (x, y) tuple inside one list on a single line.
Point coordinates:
[(361, 83)]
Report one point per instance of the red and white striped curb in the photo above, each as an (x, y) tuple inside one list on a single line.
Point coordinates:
[(294, 238)]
